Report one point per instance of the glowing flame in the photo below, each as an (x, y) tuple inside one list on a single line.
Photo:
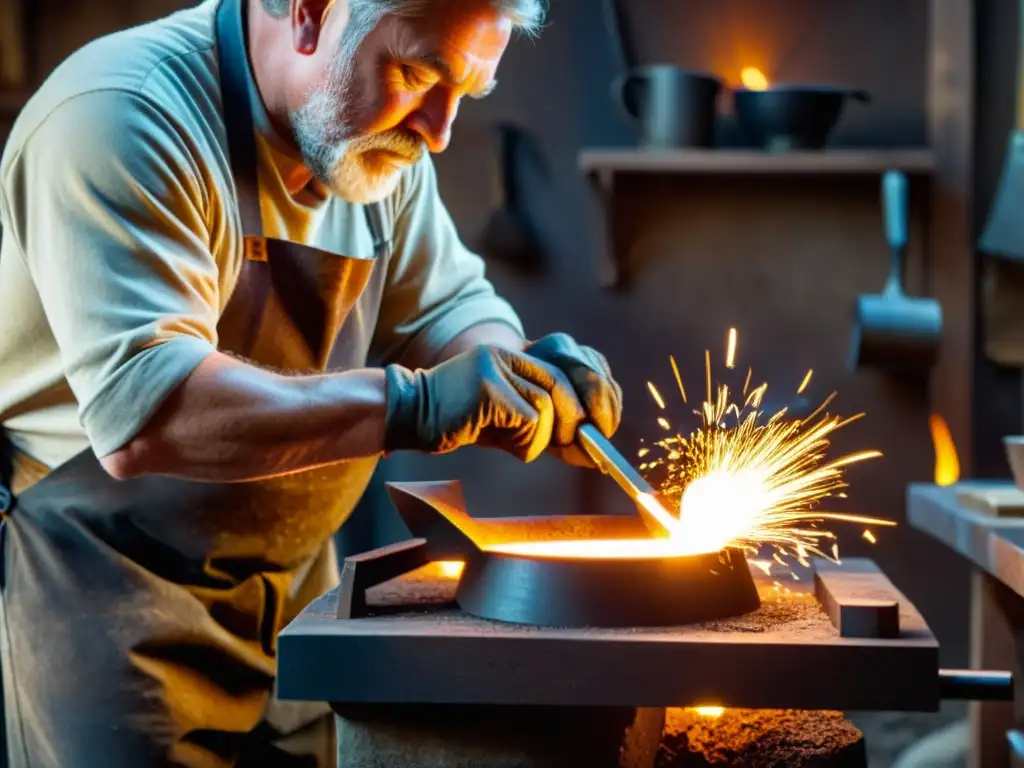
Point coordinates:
[(753, 79), (947, 463), (711, 712), (451, 568)]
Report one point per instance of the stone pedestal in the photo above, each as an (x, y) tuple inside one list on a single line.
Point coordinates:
[(760, 738), (452, 736), (448, 736)]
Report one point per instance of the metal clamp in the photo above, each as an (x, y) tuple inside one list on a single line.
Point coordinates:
[(361, 572)]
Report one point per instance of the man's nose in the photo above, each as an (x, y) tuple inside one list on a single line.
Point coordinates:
[(433, 120)]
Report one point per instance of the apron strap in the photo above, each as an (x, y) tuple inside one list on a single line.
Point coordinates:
[(27, 471), (18, 473), (381, 237), (233, 61), (6, 473)]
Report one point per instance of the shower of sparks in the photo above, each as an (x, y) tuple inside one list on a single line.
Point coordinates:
[(745, 479), (656, 396), (804, 383), (679, 379), (730, 353), (707, 379)]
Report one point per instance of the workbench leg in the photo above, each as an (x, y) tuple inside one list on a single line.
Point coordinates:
[(993, 646)]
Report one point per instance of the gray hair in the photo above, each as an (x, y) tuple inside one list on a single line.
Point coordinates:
[(527, 15)]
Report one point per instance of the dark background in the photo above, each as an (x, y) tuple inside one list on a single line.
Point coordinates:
[(781, 259)]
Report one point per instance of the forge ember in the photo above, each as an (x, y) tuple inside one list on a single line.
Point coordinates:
[(744, 478)]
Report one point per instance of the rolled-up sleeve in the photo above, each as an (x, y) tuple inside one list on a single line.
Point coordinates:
[(436, 287), (107, 208)]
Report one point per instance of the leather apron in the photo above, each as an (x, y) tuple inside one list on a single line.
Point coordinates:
[(140, 617)]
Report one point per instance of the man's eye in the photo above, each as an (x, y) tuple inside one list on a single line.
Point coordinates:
[(415, 79)]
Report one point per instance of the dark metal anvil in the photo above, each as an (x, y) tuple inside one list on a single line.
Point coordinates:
[(856, 644)]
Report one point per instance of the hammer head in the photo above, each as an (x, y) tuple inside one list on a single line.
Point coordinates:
[(895, 332), (1004, 230)]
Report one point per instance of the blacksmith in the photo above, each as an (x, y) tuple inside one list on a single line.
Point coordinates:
[(228, 285)]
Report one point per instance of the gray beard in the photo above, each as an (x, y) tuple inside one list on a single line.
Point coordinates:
[(330, 147)]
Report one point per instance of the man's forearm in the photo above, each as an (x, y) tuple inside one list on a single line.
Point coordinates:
[(231, 421), (497, 333)]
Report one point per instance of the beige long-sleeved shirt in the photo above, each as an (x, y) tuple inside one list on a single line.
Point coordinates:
[(122, 241)]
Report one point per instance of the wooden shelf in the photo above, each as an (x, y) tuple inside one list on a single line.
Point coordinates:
[(603, 166), (607, 162)]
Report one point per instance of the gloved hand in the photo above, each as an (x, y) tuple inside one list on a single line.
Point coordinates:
[(591, 378), (520, 402)]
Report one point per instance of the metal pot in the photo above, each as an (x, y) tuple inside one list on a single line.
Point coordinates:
[(792, 116), (670, 107)]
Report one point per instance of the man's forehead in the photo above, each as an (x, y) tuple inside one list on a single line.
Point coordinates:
[(460, 38)]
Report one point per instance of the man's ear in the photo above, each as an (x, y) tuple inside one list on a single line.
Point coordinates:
[(307, 22)]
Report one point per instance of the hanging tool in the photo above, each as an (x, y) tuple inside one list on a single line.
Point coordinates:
[(892, 330), (1004, 231), (1002, 275), (622, 46), (508, 235)]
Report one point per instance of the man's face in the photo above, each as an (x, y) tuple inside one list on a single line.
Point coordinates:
[(392, 93)]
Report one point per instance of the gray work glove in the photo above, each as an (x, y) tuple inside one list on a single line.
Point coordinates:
[(521, 402)]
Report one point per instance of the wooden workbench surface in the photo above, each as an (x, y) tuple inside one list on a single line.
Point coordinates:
[(994, 544), (787, 654)]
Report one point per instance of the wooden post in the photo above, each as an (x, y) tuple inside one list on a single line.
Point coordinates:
[(951, 252), (992, 647), (13, 54)]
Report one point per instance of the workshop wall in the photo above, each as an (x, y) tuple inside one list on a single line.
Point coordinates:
[(781, 260)]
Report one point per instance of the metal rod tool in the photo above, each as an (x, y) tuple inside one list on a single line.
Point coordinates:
[(608, 459), (975, 685)]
